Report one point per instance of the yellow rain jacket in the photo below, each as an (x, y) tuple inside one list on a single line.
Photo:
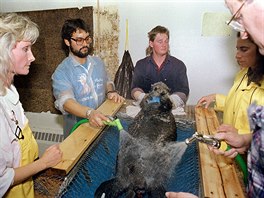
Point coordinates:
[(236, 103)]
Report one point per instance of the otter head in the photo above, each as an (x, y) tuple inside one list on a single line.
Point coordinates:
[(157, 98)]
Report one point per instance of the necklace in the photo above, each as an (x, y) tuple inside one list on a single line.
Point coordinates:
[(18, 132)]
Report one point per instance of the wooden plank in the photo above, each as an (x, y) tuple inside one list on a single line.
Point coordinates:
[(200, 120), (218, 173), (76, 144), (210, 174)]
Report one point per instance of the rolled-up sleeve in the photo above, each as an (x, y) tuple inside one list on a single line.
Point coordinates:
[(62, 89)]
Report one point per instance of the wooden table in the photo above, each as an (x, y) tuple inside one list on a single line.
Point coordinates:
[(219, 175)]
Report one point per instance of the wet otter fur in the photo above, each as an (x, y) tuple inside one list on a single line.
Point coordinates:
[(148, 151)]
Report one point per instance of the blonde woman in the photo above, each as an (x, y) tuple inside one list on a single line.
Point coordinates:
[(18, 147)]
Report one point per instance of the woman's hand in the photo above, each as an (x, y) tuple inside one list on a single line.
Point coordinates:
[(239, 142), (206, 100), (52, 156)]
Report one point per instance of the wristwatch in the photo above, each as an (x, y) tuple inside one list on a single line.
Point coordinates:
[(112, 91), (88, 113)]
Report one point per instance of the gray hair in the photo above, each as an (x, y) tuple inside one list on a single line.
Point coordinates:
[(13, 28)]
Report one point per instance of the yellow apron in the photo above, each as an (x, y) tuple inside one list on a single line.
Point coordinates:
[(29, 152)]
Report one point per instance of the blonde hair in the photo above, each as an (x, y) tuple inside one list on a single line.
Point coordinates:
[(13, 28), (152, 35)]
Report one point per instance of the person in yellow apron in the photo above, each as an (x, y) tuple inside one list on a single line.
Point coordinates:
[(18, 147), (29, 152)]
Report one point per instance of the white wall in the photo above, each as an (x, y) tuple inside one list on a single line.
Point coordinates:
[(210, 60)]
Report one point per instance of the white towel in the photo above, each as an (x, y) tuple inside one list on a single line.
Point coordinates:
[(132, 111)]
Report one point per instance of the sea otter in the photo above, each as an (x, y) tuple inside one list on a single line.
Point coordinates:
[(148, 151)]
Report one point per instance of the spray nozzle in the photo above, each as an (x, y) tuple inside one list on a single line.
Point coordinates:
[(114, 122), (209, 140)]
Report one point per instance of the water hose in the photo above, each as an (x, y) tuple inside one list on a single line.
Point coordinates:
[(77, 124), (243, 166), (239, 160), (114, 122)]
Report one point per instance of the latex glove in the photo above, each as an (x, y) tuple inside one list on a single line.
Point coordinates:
[(177, 101), (132, 110), (178, 111), (139, 99)]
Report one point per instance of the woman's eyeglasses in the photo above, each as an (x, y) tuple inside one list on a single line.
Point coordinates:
[(18, 132)]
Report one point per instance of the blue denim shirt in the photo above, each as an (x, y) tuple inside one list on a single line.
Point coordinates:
[(85, 84)]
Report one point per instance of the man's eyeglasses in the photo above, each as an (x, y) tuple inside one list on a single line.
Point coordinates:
[(79, 41), (18, 132), (234, 23)]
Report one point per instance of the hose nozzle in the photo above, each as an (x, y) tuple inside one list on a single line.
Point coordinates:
[(114, 122), (209, 140), (189, 140)]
